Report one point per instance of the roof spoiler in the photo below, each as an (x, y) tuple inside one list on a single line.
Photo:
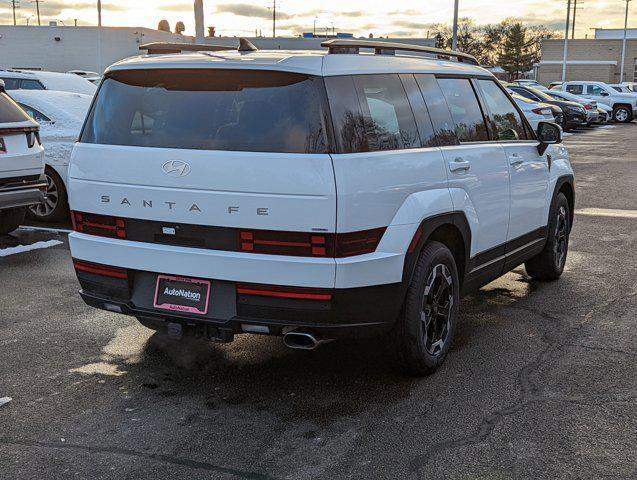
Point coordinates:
[(344, 46), (163, 48)]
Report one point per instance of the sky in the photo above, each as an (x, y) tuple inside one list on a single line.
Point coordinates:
[(399, 18)]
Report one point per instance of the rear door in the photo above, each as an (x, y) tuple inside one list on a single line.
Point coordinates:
[(476, 167), (230, 148), (529, 171)]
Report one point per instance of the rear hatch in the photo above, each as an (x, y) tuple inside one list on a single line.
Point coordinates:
[(20, 150), (207, 147)]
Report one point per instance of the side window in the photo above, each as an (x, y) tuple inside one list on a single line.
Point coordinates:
[(34, 114), (388, 119), (421, 114), (525, 93), (31, 85), (575, 89), (594, 90), (504, 118), (444, 127), (349, 124), (11, 83), (465, 109)]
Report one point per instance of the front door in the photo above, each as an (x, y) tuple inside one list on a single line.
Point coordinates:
[(528, 170)]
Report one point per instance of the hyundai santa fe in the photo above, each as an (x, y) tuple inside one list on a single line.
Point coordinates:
[(312, 195)]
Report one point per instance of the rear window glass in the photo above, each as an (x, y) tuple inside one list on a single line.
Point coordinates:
[(10, 112), (238, 110)]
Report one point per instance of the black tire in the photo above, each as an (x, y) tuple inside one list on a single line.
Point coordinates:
[(424, 332), (56, 207), (549, 264), (622, 114), (11, 219)]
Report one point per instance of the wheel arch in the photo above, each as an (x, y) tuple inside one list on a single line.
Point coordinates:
[(452, 230), (566, 185)]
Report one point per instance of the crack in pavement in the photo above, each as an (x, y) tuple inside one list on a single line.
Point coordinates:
[(184, 462), (528, 390)]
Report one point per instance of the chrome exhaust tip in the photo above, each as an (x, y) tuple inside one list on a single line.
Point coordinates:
[(302, 340)]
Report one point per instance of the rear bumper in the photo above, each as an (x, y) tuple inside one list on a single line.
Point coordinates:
[(350, 312), (22, 195)]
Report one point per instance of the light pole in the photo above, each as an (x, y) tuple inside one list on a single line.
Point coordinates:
[(621, 75), (454, 38), (568, 20), (99, 36)]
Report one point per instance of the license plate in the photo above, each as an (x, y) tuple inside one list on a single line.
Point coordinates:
[(180, 294)]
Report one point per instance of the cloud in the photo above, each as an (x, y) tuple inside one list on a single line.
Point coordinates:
[(177, 7), (247, 10), (54, 8)]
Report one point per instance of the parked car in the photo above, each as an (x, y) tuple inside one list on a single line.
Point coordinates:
[(592, 112), (574, 113), (21, 164), (555, 85), (529, 83), (537, 112), (623, 88), (624, 105), (329, 195), (60, 115), (39, 80), (92, 77)]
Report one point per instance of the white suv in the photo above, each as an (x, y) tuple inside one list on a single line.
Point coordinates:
[(624, 105), (22, 181), (313, 195)]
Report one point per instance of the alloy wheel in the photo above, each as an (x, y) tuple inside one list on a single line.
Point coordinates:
[(561, 238), (436, 311), (52, 196), (621, 115)]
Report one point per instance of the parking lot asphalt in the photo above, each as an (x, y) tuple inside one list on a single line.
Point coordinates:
[(541, 381)]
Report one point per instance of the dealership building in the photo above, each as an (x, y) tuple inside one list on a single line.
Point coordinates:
[(597, 59)]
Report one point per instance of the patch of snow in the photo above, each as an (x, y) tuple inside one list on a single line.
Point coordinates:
[(5, 252)]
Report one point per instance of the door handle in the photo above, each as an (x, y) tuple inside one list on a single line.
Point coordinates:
[(515, 159), (459, 165)]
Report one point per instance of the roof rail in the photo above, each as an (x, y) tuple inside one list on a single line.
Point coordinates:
[(389, 48), (168, 47)]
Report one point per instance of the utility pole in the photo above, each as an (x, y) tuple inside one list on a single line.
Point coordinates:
[(37, 9), (273, 18), (574, 15), (568, 21), (14, 5), (99, 37), (621, 75), (454, 39)]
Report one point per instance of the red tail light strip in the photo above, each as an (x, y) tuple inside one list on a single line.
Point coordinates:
[(269, 242), (284, 292), (98, 269), (102, 225)]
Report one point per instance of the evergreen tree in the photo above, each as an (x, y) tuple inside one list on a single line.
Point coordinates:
[(517, 55)]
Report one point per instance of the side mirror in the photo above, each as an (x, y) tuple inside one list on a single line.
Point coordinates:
[(548, 134)]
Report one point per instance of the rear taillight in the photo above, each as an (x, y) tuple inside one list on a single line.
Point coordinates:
[(102, 270), (102, 225), (541, 111), (299, 244), (588, 106), (358, 243), (304, 244), (297, 293)]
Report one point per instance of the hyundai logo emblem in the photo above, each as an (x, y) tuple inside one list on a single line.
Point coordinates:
[(176, 168)]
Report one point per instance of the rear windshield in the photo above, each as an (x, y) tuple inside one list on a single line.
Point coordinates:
[(241, 110), (10, 112)]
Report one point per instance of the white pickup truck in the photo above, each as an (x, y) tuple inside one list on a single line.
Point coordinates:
[(624, 105)]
